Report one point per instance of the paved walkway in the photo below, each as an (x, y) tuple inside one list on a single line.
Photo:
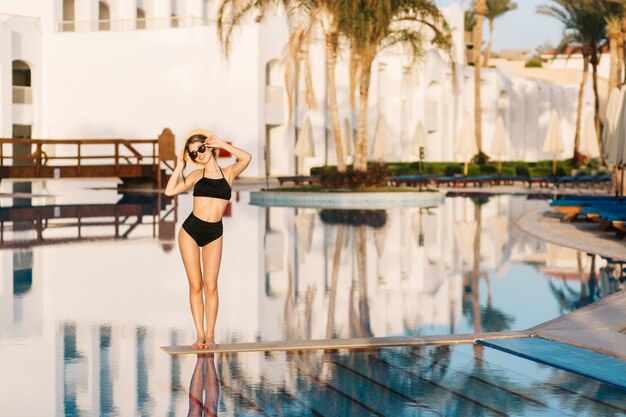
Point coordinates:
[(579, 235)]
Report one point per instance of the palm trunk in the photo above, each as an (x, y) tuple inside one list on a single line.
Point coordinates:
[(361, 259), (331, 62), (579, 109), (488, 51), (476, 270), (330, 322), (478, 36), (360, 160), (594, 65)]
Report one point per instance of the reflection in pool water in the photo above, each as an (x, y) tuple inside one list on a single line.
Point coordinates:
[(87, 317)]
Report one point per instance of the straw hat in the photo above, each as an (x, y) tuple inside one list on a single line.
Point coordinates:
[(203, 132)]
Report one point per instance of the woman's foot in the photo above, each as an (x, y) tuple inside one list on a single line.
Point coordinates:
[(209, 343), (200, 343)]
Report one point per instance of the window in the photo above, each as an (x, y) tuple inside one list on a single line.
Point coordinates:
[(67, 20), (22, 89), (141, 18), (104, 17)]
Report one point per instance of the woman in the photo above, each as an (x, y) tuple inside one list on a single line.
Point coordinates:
[(203, 227)]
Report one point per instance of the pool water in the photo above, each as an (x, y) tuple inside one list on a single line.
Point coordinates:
[(87, 299)]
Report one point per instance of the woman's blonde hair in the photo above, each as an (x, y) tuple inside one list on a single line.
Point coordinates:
[(195, 136)]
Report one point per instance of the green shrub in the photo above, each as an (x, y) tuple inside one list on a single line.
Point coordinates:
[(377, 175), (508, 171), (522, 171), (372, 218), (453, 169), (488, 169), (534, 63), (474, 171)]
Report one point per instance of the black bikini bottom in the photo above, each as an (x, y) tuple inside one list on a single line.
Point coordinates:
[(202, 232)]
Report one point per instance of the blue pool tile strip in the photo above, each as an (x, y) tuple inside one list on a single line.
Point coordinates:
[(569, 358)]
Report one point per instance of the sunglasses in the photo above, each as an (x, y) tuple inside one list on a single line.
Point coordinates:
[(194, 154)]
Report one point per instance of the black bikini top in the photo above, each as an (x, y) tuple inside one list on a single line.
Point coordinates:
[(212, 187)]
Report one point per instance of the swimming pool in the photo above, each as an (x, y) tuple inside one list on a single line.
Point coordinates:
[(87, 302)]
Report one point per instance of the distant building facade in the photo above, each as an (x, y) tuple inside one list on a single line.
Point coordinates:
[(128, 68)]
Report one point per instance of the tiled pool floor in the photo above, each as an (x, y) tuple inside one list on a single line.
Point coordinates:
[(463, 380)]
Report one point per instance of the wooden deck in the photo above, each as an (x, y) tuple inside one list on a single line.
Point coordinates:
[(112, 221), (144, 161)]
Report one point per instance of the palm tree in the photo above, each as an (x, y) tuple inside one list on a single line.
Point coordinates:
[(469, 23), (615, 11), (374, 25), (614, 33), (305, 17), (496, 8), (480, 10), (584, 27)]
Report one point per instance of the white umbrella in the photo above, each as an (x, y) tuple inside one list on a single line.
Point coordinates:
[(381, 146), (499, 231), (416, 227), (465, 232), (613, 110), (380, 238), (589, 138), (419, 137), (304, 144), (348, 138), (500, 143), (274, 249), (553, 143), (304, 227), (466, 141), (618, 145)]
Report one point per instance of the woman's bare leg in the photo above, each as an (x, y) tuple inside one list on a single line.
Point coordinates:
[(211, 388), (190, 253), (196, 386), (211, 258)]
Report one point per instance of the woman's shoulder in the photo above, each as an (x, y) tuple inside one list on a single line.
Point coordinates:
[(195, 175)]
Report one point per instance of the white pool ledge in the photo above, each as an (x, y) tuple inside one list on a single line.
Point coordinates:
[(347, 200)]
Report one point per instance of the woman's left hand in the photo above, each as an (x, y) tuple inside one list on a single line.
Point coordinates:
[(214, 142)]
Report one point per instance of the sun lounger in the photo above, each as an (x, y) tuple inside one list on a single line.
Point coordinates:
[(410, 180), (572, 206), (299, 179), (457, 182), (543, 182)]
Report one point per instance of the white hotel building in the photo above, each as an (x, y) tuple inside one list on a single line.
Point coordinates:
[(129, 68)]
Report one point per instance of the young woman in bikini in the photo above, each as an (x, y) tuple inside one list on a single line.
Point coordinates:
[(203, 227)]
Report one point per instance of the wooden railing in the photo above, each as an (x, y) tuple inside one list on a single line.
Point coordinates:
[(73, 158), (39, 157)]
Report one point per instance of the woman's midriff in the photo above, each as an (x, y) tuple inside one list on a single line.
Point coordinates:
[(209, 209)]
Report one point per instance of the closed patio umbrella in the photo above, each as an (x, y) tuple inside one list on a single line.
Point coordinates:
[(348, 138), (418, 142), (589, 138), (500, 143), (466, 140), (419, 139), (304, 145), (613, 110), (553, 143), (499, 231), (619, 137), (274, 249), (465, 232), (304, 227), (382, 145)]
